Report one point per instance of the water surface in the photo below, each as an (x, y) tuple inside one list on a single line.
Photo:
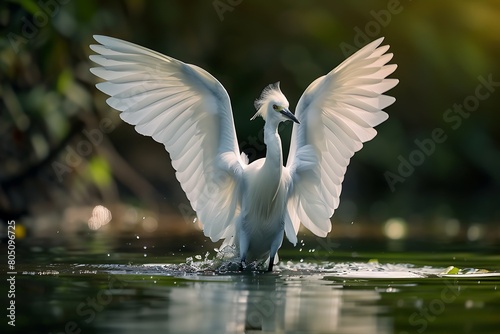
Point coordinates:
[(176, 289)]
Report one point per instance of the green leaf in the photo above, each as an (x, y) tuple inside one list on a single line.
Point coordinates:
[(451, 270)]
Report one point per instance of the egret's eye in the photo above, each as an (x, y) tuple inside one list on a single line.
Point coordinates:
[(275, 107)]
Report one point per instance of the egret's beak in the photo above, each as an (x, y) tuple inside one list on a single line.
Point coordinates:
[(289, 115)]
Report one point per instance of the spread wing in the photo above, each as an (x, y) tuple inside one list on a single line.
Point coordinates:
[(186, 109), (337, 113)]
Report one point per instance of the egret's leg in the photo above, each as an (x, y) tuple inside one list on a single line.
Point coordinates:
[(242, 264), (271, 263), (274, 249), (244, 243)]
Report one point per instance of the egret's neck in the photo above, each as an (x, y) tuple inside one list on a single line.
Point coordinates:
[(274, 154)]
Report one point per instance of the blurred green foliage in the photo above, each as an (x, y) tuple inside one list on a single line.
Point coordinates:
[(441, 47)]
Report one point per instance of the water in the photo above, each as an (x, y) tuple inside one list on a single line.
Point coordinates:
[(148, 286)]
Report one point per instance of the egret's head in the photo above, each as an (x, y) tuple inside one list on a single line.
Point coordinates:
[(272, 104)]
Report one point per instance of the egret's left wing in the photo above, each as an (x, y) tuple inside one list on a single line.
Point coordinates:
[(337, 113), (186, 109)]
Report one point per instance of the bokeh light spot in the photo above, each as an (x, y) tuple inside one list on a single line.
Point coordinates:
[(395, 228), (100, 217)]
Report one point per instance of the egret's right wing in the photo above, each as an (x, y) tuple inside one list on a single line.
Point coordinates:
[(337, 113), (186, 109)]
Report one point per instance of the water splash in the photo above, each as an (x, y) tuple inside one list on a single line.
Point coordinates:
[(226, 261)]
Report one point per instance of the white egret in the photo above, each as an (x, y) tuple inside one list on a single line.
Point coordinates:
[(253, 205)]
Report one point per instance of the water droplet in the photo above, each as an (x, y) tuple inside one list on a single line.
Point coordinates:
[(145, 255), (108, 254), (137, 236), (145, 247)]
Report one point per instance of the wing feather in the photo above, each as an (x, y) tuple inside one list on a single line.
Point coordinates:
[(337, 113), (187, 110)]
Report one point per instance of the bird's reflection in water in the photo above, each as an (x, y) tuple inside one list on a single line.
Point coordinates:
[(271, 302)]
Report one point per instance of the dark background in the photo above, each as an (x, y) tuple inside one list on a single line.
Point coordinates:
[(444, 51)]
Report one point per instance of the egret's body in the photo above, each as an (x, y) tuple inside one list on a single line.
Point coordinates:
[(260, 227), (250, 205)]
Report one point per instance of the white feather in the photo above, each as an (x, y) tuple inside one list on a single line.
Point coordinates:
[(183, 107), (337, 113)]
